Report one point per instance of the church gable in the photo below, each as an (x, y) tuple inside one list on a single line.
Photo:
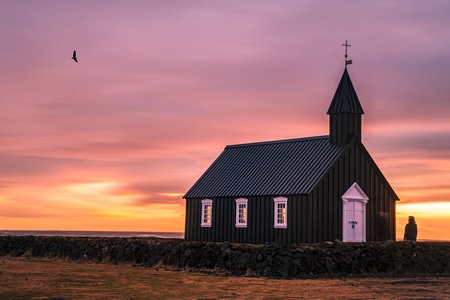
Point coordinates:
[(355, 164)]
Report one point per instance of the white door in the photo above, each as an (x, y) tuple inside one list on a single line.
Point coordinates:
[(354, 214), (354, 222)]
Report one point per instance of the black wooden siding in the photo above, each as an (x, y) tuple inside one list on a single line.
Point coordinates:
[(259, 223), (343, 127), (312, 218)]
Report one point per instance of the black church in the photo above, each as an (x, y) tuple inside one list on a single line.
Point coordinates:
[(304, 190)]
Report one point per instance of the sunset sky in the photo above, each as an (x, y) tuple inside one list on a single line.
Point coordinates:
[(114, 141)]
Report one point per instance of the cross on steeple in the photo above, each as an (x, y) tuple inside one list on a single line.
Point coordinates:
[(347, 62)]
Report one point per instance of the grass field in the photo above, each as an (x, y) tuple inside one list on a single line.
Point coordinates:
[(35, 278)]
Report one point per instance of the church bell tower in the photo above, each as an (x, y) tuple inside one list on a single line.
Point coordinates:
[(345, 110)]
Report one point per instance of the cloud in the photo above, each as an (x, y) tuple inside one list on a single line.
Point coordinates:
[(24, 213), (157, 192), (428, 145)]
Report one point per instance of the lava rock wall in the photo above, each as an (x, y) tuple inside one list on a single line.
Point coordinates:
[(331, 259)]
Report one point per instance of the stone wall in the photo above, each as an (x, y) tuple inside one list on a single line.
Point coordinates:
[(268, 260)]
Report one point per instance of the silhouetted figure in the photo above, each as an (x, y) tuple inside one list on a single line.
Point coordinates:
[(410, 230), (74, 56)]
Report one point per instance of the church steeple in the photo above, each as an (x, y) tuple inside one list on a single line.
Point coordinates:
[(345, 110)]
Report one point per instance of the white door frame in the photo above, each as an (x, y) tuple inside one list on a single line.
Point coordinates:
[(354, 194)]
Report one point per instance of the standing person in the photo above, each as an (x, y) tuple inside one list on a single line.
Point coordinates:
[(410, 230)]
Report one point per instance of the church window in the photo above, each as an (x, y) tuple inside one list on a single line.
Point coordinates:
[(280, 212), (206, 213), (241, 212)]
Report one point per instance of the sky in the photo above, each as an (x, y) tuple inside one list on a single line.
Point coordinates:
[(114, 141)]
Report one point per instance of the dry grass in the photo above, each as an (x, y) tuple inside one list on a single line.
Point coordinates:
[(25, 278)]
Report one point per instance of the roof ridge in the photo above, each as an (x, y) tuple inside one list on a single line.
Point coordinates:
[(279, 141)]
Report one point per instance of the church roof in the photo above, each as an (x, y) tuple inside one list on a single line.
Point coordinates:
[(345, 99), (286, 167)]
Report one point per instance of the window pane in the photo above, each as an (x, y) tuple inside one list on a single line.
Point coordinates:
[(281, 213), (207, 213), (242, 213)]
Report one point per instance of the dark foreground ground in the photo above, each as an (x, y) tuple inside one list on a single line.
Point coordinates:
[(28, 277)]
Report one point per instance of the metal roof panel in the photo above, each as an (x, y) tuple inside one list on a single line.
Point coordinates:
[(267, 168)]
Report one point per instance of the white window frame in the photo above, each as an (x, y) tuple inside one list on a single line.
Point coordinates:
[(282, 201), (204, 221), (241, 203)]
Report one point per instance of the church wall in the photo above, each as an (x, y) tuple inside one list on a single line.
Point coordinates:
[(260, 228)]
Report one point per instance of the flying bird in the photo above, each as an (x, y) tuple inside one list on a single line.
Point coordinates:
[(74, 56)]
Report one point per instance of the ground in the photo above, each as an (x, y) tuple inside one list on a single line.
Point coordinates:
[(38, 278)]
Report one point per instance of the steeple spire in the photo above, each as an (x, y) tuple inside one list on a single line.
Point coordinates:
[(345, 98), (345, 110)]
